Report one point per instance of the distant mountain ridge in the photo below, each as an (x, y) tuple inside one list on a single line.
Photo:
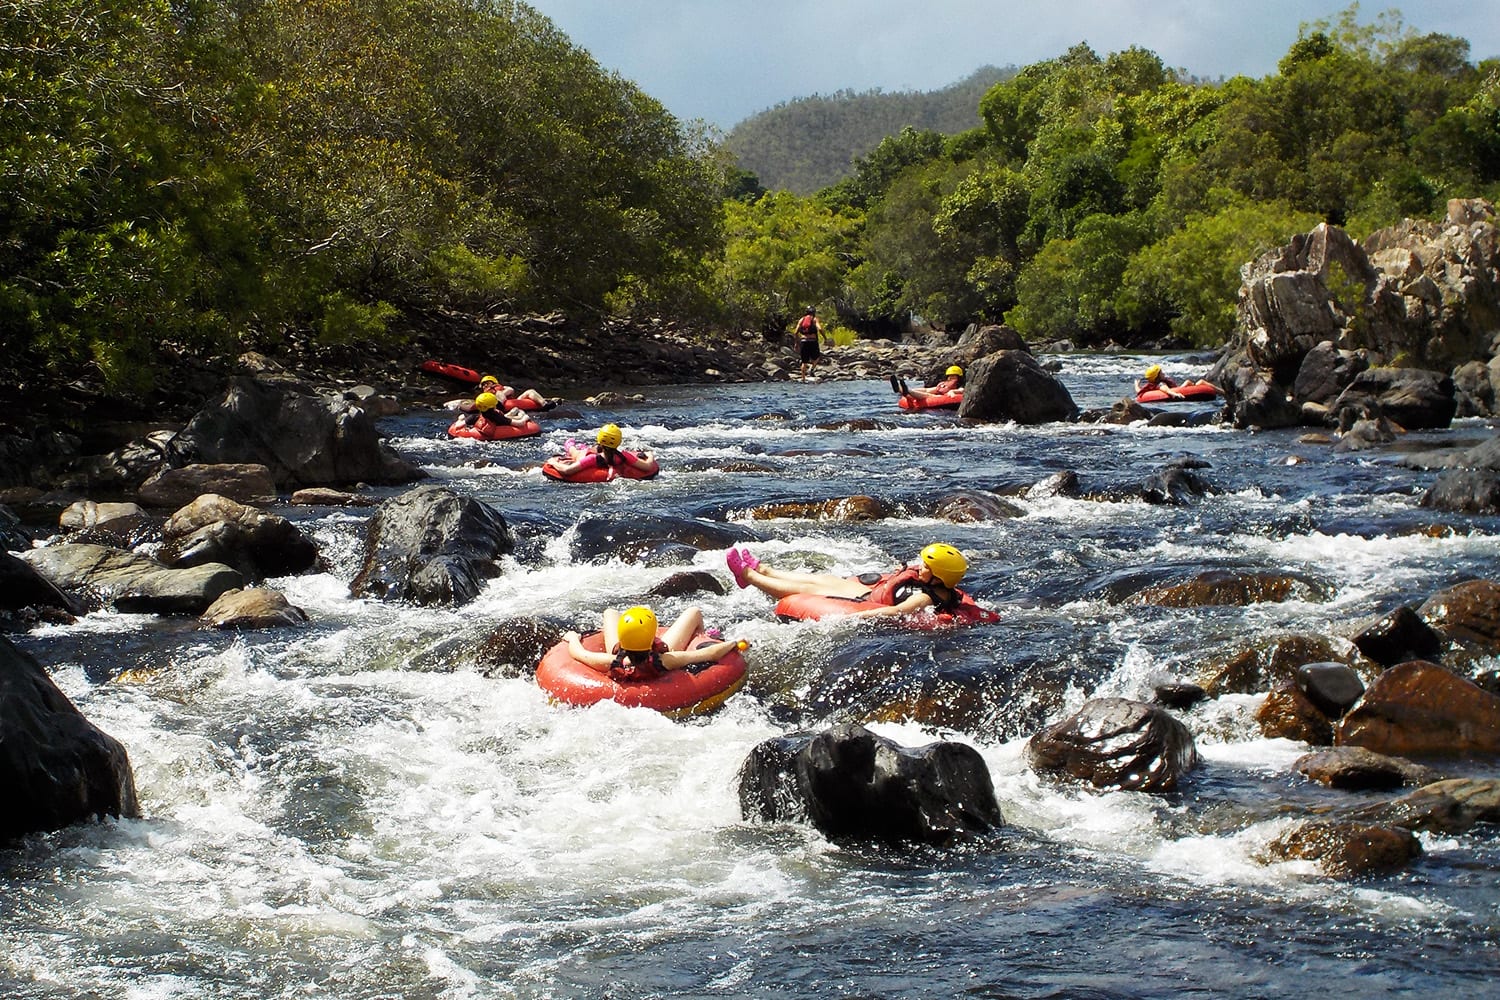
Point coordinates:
[(807, 144)]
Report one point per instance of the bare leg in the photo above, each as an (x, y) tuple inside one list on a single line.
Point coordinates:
[(779, 583), (532, 395), (611, 629), (687, 625)]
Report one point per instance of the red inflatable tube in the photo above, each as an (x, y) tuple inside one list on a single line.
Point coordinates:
[(1198, 390), (601, 473), (456, 372), (486, 430), (937, 401), (675, 693), (815, 607)]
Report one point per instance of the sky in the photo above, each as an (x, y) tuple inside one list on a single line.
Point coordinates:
[(724, 60)]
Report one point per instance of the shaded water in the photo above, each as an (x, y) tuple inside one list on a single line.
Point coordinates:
[(351, 810)]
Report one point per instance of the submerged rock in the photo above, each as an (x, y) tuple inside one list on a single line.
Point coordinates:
[(1348, 849)]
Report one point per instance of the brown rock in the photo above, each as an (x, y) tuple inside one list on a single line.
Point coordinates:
[(1419, 708), (1346, 849), (1261, 668), (1287, 713), (855, 508), (1468, 613), (175, 488), (1115, 743), (253, 607), (1221, 587), (1451, 806), (1358, 769)]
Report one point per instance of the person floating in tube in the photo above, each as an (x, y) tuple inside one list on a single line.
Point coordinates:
[(604, 453), (507, 396), (487, 408), (633, 652), (1154, 378), (953, 382), (931, 583)]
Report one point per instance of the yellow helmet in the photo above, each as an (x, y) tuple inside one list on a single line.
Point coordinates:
[(486, 401), (488, 378), (947, 563), (609, 436), (1153, 373), (954, 370), (637, 629)]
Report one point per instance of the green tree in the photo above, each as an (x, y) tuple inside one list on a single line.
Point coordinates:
[(1068, 290)]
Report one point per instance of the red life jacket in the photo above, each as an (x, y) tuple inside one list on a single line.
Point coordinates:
[(628, 670), (893, 588), (808, 328)]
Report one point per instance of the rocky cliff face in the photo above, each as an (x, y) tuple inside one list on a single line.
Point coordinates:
[(1421, 295)]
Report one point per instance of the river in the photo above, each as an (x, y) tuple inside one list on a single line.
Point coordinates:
[(351, 810)]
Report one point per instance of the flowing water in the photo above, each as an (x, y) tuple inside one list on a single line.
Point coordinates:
[(351, 810)]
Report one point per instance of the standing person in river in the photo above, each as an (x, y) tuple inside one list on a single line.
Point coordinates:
[(810, 337)]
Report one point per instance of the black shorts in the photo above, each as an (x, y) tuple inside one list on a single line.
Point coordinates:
[(810, 350)]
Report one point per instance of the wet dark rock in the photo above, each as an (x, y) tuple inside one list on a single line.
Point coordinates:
[(1274, 663), (515, 646), (1465, 491), (13, 537), (56, 767), (1467, 614), (431, 546), (1413, 398), (1219, 587), (1122, 412), (682, 584), (1059, 484), (1287, 713), (1010, 385), (21, 586), (1358, 769), (1455, 805), (972, 506), (1326, 372), (1399, 636), (131, 583), (850, 783), (1366, 433), (1348, 849), (852, 509), (1116, 743), (1421, 709), (123, 519), (1333, 687), (1175, 484), (252, 608), (1253, 398), (303, 438), (1179, 696), (216, 529), (601, 538)]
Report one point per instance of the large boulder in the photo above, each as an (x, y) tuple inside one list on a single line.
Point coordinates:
[(252, 608), (1011, 385), (21, 586), (216, 529), (848, 782), (1421, 709), (431, 546), (13, 537), (56, 767), (1326, 372), (132, 583), (303, 438), (1413, 398), (246, 482), (1117, 743)]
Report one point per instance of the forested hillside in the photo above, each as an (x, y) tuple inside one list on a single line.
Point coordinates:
[(810, 143), (1106, 198)]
